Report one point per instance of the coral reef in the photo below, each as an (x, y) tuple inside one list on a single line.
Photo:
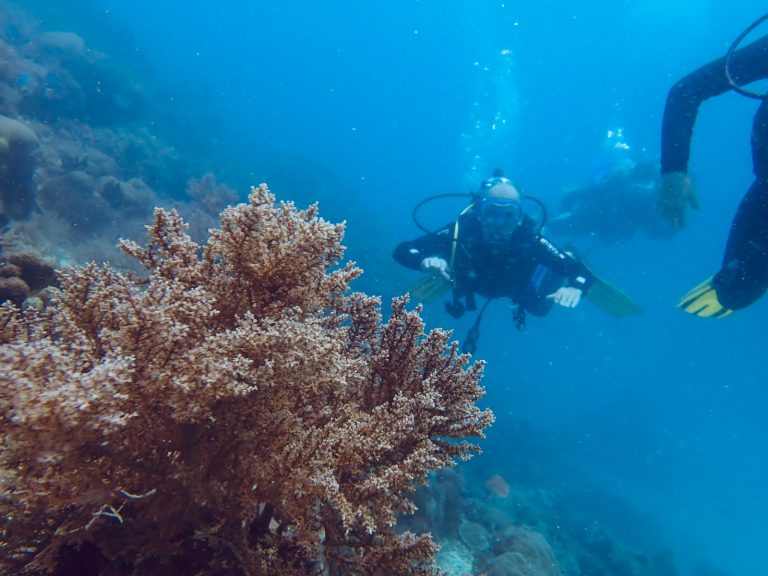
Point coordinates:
[(25, 275), (474, 536), (235, 410), (455, 559), (207, 198), (529, 531), (522, 551), (18, 144), (81, 163)]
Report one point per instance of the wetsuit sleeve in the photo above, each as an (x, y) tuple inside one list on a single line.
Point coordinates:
[(578, 274), (684, 98), (411, 253)]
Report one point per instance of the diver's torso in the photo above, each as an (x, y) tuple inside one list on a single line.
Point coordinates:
[(493, 269)]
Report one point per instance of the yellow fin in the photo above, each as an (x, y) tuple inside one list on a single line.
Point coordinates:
[(702, 301), (610, 299), (429, 288)]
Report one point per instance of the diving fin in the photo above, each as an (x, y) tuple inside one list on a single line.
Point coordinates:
[(610, 299), (429, 288), (702, 301)]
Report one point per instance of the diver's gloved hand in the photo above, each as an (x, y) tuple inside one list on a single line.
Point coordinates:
[(436, 266), (567, 296), (675, 194), (702, 301)]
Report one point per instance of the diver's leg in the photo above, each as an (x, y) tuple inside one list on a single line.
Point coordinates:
[(537, 305), (743, 277)]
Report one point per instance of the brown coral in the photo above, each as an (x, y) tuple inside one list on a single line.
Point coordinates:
[(237, 411)]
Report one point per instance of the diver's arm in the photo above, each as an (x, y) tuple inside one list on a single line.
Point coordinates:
[(684, 98), (578, 275), (412, 253)]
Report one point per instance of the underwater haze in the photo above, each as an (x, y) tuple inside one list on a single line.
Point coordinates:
[(649, 431)]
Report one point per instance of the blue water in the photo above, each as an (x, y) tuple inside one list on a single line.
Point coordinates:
[(656, 424)]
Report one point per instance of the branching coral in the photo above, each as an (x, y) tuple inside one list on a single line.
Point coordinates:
[(235, 411)]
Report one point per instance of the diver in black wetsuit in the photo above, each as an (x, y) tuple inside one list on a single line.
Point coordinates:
[(495, 250), (613, 208), (743, 277)]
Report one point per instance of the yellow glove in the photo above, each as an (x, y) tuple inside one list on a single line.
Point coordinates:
[(702, 301), (675, 194)]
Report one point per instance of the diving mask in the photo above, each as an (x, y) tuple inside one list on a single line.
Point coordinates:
[(500, 213)]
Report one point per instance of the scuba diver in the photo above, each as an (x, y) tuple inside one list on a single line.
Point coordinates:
[(494, 249), (743, 276), (619, 202)]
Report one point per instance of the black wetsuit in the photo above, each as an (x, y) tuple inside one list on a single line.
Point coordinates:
[(525, 269), (614, 208), (743, 277)]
